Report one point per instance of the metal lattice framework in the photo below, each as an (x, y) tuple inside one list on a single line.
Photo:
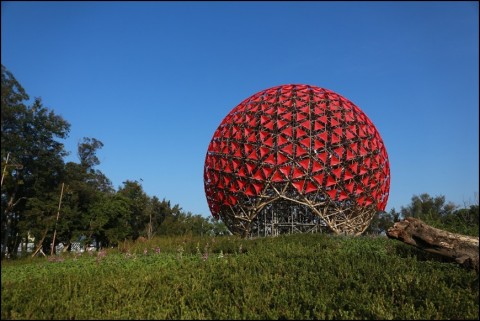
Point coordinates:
[(296, 158)]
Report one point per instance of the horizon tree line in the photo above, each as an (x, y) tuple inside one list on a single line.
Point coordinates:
[(50, 201)]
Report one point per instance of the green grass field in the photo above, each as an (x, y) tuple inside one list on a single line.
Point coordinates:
[(309, 276)]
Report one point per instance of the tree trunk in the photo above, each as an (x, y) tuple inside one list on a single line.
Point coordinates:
[(462, 249)]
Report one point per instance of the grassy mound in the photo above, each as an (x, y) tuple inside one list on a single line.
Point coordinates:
[(309, 276)]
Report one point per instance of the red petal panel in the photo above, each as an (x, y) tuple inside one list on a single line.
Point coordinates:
[(270, 159), (330, 181), (281, 158), (319, 178), (269, 125), (288, 131), (306, 142), (332, 193), (342, 196), (301, 116), (267, 171), (281, 140), (305, 163), (277, 177), (300, 151), (310, 187), (298, 186), (285, 170), (301, 132), (337, 172), (297, 172)]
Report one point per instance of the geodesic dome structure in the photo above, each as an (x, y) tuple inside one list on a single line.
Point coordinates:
[(296, 158)]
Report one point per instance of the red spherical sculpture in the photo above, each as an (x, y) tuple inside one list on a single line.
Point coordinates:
[(296, 158)]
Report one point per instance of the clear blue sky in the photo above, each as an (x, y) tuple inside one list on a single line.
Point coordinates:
[(153, 80)]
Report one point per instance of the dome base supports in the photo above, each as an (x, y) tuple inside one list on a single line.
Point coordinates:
[(285, 211)]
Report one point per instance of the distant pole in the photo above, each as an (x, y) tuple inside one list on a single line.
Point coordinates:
[(58, 215), (5, 169)]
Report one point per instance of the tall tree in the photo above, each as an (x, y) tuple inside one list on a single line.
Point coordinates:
[(87, 154), (30, 136), (109, 220), (86, 187), (157, 211), (138, 204)]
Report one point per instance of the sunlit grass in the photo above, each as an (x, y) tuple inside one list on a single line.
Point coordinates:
[(287, 277)]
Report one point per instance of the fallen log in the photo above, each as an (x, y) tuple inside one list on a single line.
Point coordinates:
[(460, 248)]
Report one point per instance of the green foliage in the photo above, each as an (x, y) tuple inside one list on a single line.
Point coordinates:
[(109, 220), (137, 200), (309, 276), (29, 137), (436, 212), (179, 223), (87, 152), (427, 208), (463, 221), (382, 221)]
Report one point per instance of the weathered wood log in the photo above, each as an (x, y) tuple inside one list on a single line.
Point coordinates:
[(460, 248)]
